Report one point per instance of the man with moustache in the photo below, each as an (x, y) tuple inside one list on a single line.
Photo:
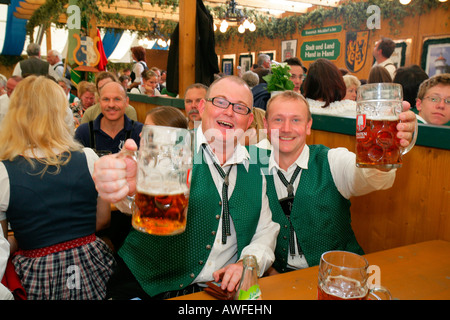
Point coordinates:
[(309, 187), (215, 240), (112, 127), (107, 134), (192, 97)]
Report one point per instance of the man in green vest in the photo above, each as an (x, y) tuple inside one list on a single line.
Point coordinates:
[(215, 239), (309, 186)]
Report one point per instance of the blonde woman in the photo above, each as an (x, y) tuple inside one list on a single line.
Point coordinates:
[(86, 93), (48, 196), (352, 83)]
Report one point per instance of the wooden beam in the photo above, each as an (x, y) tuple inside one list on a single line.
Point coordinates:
[(259, 4), (141, 13), (187, 39)]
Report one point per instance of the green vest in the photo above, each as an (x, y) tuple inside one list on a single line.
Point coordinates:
[(320, 214), (166, 263)]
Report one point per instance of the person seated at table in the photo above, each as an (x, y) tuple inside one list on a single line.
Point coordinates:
[(164, 267), (149, 84), (167, 116), (297, 71), (352, 84), (324, 89), (101, 79), (309, 187), (410, 78), (42, 171), (378, 74), (433, 100), (86, 95), (107, 134), (192, 97)]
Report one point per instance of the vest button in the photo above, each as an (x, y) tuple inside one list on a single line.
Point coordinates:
[(192, 275), (208, 247), (200, 262), (285, 226), (218, 216), (213, 233), (284, 237), (220, 203), (181, 285)]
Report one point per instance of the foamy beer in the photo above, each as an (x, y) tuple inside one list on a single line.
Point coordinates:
[(343, 276), (377, 111), (163, 180)]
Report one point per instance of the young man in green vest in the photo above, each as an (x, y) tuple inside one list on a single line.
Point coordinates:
[(309, 186), (164, 267)]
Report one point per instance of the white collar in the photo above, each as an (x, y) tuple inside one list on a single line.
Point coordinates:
[(240, 154), (301, 161)]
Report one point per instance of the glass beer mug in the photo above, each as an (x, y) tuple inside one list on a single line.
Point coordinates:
[(164, 162), (378, 106), (343, 276)]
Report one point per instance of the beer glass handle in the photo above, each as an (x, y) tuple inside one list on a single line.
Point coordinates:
[(379, 293), (130, 199), (127, 153), (413, 141)]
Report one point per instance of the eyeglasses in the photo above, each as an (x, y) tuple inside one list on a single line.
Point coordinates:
[(302, 76), (436, 100), (223, 104)]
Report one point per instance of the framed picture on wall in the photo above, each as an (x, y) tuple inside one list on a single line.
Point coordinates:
[(245, 62), (229, 57), (399, 54), (288, 49), (227, 66), (436, 56)]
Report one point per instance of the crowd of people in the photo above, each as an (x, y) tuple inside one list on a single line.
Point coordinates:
[(288, 201)]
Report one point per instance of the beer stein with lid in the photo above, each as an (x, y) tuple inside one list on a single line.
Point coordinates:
[(163, 180), (377, 110)]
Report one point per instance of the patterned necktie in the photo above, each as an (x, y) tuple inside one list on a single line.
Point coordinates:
[(225, 212), (290, 199)]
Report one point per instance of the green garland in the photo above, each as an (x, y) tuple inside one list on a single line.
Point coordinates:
[(52, 9), (351, 14)]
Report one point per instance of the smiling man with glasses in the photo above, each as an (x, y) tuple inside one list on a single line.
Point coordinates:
[(228, 214), (433, 100)]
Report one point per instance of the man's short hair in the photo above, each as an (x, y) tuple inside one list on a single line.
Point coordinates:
[(104, 75), (55, 53), (443, 79), (262, 58), (288, 95), (387, 47), (196, 86), (33, 49)]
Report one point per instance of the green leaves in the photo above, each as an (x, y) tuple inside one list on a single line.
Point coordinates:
[(279, 79)]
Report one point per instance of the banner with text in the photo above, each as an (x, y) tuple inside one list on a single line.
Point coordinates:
[(313, 50)]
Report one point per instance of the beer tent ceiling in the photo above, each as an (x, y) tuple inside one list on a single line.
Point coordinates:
[(13, 19)]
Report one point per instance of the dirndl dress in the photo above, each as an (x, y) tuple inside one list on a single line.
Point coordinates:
[(74, 270)]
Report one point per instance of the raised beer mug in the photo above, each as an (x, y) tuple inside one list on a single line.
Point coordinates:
[(378, 106), (163, 180), (343, 276)]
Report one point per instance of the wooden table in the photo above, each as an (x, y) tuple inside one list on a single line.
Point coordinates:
[(414, 272)]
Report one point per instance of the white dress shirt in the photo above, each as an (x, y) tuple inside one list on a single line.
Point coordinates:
[(350, 181)]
